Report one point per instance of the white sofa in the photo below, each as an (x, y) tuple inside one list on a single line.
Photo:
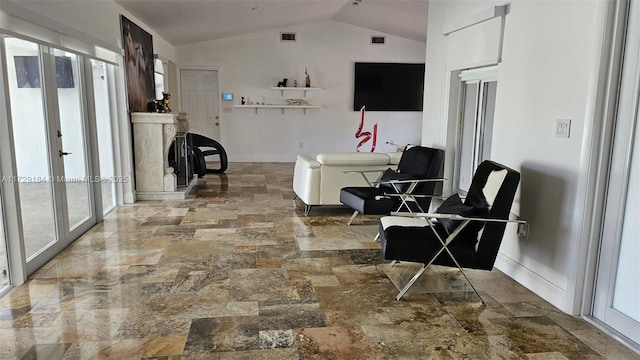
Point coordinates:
[(318, 182)]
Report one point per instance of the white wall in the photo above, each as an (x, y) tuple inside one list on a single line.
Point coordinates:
[(252, 63), (550, 60)]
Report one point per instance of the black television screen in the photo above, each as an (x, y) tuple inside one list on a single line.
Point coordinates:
[(388, 86)]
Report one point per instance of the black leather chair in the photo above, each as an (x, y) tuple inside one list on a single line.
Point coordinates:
[(449, 237), (202, 147), (410, 187)]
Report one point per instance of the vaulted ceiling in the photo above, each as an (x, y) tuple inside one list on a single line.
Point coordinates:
[(188, 21)]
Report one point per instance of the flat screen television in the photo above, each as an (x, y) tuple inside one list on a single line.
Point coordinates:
[(388, 86)]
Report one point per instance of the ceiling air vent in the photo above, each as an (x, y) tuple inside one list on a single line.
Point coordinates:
[(287, 36), (377, 40)]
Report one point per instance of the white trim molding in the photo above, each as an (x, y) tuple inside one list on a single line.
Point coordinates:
[(489, 73)]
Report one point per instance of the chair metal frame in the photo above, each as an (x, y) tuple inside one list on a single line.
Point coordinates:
[(428, 217)]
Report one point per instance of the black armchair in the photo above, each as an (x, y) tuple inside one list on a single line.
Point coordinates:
[(449, 237), (202, 147), (410, 187)]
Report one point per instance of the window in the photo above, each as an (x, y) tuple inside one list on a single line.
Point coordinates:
[(159, 75), (475, 128), (103, 87)]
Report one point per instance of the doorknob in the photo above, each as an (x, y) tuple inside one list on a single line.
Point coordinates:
[(62, 153)]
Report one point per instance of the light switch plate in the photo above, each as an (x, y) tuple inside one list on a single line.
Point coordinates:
[(563, 128)]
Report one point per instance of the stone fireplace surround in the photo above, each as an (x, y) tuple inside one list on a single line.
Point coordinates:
[(153, 134)]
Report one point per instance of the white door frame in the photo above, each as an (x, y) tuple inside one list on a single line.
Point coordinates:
[(478, 77), (607, 108), (13, 234), (614, 209)]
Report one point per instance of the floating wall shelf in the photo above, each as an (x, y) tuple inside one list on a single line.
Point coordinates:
[(277, 106)]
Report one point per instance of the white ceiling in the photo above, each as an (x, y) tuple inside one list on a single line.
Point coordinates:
[(188, 21)]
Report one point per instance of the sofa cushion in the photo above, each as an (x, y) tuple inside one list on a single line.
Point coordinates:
[(353, 159), (368, 200), (395, 157), (307, 161)]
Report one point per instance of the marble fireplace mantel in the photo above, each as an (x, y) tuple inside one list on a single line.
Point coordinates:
[(153, 134)]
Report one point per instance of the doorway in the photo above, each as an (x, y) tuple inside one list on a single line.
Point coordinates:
[(200, 97), (56, 187), (617, 288)]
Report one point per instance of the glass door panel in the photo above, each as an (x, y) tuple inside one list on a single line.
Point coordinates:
[(476, 128), (486, 131), (29, 125), (617, 286), (626, 293), (102, 75), (72, 135), (466, 151)]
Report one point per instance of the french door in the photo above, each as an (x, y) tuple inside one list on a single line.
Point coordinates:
[(617, 291), (50, 132)]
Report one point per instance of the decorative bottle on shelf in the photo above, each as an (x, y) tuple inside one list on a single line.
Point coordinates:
[(307, 79)]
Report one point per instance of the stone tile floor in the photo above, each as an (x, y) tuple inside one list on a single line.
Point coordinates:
[(236, 272)]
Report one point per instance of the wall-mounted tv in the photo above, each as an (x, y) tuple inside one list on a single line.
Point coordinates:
[(388, 86)]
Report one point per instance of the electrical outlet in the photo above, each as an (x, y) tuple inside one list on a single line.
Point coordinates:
[(523, 230), (301, 145)]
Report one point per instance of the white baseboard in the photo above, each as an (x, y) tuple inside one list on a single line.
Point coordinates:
[(533, 281)]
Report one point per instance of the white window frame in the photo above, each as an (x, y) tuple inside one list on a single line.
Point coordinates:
[(480, 76)]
